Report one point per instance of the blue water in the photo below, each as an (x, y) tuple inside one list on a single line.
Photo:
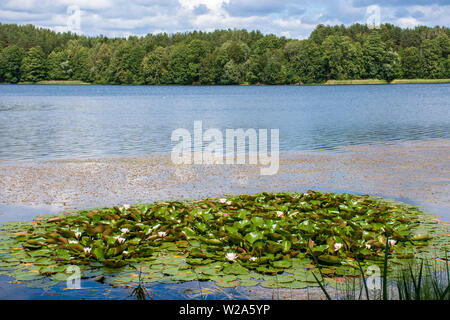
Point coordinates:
[(47, 122)]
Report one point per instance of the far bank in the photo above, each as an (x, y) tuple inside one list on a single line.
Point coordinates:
[(328, 83)]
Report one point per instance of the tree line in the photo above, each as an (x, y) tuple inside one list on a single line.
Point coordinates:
[(30, 54)]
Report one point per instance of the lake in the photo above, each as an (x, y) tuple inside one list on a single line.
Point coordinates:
[(70, 121), (50, 122)]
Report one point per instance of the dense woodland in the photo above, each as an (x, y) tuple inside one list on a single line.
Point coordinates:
[(30, 54)]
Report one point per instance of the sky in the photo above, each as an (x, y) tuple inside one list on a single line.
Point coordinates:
[(292, 19)]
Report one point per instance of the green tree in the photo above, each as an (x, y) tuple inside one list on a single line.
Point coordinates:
[(306, 62), (155, 66), (274, 71), (80, 64), (11, 63), (232, 73), (59, 66), (186, 62), (255, 68), (446, 67), (391, 68), (431, 59), (374, 56), (2, 67), (34, 65), (411, 63), (212, 67), (267, 43), (101, 59), (126, 64), (236, 51), (343, 58)]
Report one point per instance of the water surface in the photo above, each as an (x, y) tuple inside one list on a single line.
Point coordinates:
[(61, 121)]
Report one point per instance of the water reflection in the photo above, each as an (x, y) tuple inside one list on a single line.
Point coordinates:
[(81, 121)]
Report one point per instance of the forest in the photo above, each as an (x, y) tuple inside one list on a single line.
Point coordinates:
[(29, 54)]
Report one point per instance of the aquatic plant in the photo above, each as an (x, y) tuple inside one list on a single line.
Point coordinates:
[(276, 240)]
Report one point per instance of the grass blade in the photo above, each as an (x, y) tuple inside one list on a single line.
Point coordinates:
[(364, 279), (322, 287), (386, 252)]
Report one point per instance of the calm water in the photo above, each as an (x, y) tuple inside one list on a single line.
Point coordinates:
[(82, 121)]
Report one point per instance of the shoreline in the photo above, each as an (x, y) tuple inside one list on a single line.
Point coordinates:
[(327, 83), (415, 172)]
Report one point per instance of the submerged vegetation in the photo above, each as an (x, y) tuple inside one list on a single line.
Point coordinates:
[(357, 52), (277, 240)]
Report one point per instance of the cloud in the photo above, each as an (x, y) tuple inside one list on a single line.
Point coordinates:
[(201, 9), (242, 8), (288, 18), (398, 3)]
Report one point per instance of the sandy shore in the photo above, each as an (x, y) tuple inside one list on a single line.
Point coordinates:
[(417, 172)]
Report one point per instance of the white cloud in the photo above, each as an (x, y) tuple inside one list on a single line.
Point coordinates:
[(408, 22), (288, 17)]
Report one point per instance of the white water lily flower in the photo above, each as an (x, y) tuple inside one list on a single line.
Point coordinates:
[(124, 230), (73, 241), (87, 250), (120, 239), (78, 234), (162, 234), (231, 256), (337, 246), (280, 214), (368, 246), (222, 200), (253, 259), (229, 203), (392, 243), (126, 206), (125, 252)]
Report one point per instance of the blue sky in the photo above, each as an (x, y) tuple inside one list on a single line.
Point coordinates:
[(293, 19)]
